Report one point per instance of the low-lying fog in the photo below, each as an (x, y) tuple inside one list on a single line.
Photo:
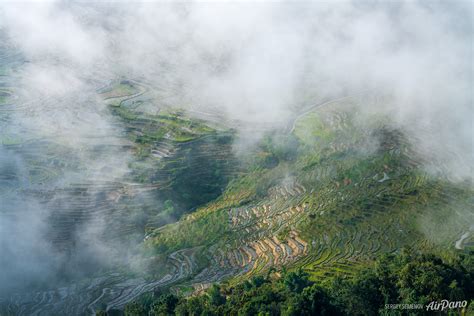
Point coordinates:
[(255, 62)]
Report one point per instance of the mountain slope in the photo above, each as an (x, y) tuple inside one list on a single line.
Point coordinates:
[(329, 197), (336, 190)]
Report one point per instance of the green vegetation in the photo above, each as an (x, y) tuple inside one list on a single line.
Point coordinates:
[(319, 204), (145, 129), (328, 203), (405, 278), (305, 222), (185, 162), (120, 89)]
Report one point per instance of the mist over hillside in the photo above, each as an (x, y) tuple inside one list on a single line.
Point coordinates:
[(256, 61), (119, 118)]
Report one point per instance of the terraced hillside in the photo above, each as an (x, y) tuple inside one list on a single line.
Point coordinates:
[(188, 159), (328, 195), (174, 163), (345, 195)]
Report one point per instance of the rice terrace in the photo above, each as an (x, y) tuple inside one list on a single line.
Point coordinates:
[(241, 158)]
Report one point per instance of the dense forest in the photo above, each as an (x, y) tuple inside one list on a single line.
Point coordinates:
[(400, 284)]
